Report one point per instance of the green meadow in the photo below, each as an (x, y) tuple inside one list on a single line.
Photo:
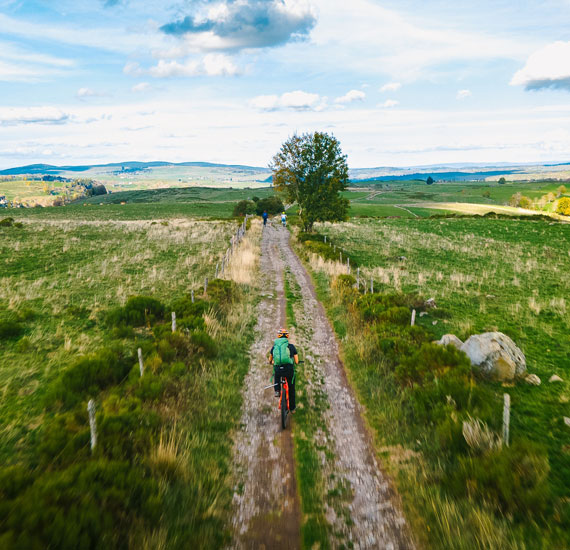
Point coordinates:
[(485, 275), (79, 294)]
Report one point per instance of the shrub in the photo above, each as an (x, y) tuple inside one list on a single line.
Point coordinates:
[(342, 283), (271, 205), (137, 312), (514, 479), (89, 505), (88, 376), (203, 344), (10, 328), (244, 207), (563, 206), (221, 292), (7, 222)]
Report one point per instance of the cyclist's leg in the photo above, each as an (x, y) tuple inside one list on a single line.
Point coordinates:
[(291, 382), (276, 380)]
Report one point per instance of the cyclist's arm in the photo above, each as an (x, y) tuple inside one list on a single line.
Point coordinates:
[(296, 358)]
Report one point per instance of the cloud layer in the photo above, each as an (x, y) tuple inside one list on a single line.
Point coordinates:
[(548, 67)]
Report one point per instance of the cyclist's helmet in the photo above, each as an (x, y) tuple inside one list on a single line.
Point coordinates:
[(282, 332)]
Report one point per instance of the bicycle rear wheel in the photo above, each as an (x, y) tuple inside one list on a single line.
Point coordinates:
[(284, 409)]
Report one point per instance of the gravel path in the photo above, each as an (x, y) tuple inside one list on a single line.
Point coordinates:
[(265, 453), (267, 511)]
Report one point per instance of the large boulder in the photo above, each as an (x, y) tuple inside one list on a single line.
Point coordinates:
[(450, 339), (495, 355)]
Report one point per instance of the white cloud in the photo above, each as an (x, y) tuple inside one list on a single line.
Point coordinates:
[(349, 97), (212, 64), (391, 87), (390, 103), (463, 94), (14, 116), (295, 101), (548, 67), (88, 92), (140, 87)]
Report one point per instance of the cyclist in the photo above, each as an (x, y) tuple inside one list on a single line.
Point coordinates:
[(284, 219), (265, 215), (283, 356)]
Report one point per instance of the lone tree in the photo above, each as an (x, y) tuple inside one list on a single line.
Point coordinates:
[(311, 170), (430, 180), (502, 180)]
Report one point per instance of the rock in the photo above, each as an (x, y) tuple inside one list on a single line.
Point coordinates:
[(490, 296), (434, 322), (567, 421), (402, 258), (495, 355), (555, 378), (423, 313), (450, 339), (532, 379), (430, 303)]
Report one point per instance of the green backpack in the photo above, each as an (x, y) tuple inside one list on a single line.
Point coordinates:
[(281, 352)]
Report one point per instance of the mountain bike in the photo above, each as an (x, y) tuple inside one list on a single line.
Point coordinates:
[(283, 406)]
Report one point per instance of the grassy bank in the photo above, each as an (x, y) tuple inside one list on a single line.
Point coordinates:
[(484, 275)]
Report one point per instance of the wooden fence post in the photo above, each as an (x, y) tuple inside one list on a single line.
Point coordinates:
[(506, 418), (141, 364), (173, 321), (340, 257), (413, 317), (217, 265), (192, 296), (325, 239), (92, 423), (371, 286), (206, 285)]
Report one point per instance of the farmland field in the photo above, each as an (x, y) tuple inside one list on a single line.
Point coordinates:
[(485, 275)]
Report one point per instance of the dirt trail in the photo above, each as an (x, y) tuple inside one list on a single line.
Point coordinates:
[(267, 510), (265, 452)]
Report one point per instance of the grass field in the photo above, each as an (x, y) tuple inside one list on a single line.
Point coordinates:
[(62, 276), (507, 275), (389, 199)]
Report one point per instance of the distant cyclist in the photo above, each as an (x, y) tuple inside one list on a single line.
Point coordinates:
[(284, 219), (283, 356), (265, 215)]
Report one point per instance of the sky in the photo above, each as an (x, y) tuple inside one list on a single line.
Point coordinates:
[(398, 82)]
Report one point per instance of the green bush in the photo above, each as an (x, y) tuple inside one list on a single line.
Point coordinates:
[(204, 344), (271, 205), (10, 328), (88, 376), (7, 222), (91, 505), (244, 207), (514, 479), (137, 312), (221, 292)]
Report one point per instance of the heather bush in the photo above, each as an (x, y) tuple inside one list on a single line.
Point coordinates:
[(138, 311)]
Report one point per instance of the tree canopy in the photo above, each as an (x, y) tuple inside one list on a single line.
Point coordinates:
[(430, 180), (311, 170)]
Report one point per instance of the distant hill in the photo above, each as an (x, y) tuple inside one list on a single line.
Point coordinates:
[(208, 173), (51, 169)]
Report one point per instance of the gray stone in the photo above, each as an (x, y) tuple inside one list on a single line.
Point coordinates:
[(430, 303), (567, 421), (495, 355), (450, 339), (532, 379), (555, 378)]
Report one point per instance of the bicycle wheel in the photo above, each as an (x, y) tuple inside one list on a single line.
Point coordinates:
[(284, 409)]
